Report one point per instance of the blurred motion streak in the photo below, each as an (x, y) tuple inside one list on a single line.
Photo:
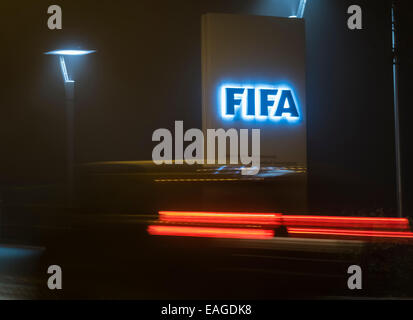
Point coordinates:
[(350, 233), (218, 217), (294, 225), (207, 180), (347, 222), (211, 232)]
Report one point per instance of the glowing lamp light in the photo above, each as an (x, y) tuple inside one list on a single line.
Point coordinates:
[(301, 8), (70, 52)]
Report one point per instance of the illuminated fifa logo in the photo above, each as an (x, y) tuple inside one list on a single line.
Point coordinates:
[(259, 103)]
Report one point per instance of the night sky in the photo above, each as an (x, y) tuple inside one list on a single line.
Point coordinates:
[(147, 73)]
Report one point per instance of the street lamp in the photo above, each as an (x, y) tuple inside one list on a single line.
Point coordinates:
[(69, 98)]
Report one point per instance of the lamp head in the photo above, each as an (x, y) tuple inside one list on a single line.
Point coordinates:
[(70, 52), (62, 54)]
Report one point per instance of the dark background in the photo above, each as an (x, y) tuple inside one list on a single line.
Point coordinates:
[(147, 74)]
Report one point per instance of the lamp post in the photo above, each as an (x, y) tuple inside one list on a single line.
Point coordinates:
[(70, 106), (396, 114)]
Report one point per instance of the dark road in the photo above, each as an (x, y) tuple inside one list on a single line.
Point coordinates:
[(114, 258)]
